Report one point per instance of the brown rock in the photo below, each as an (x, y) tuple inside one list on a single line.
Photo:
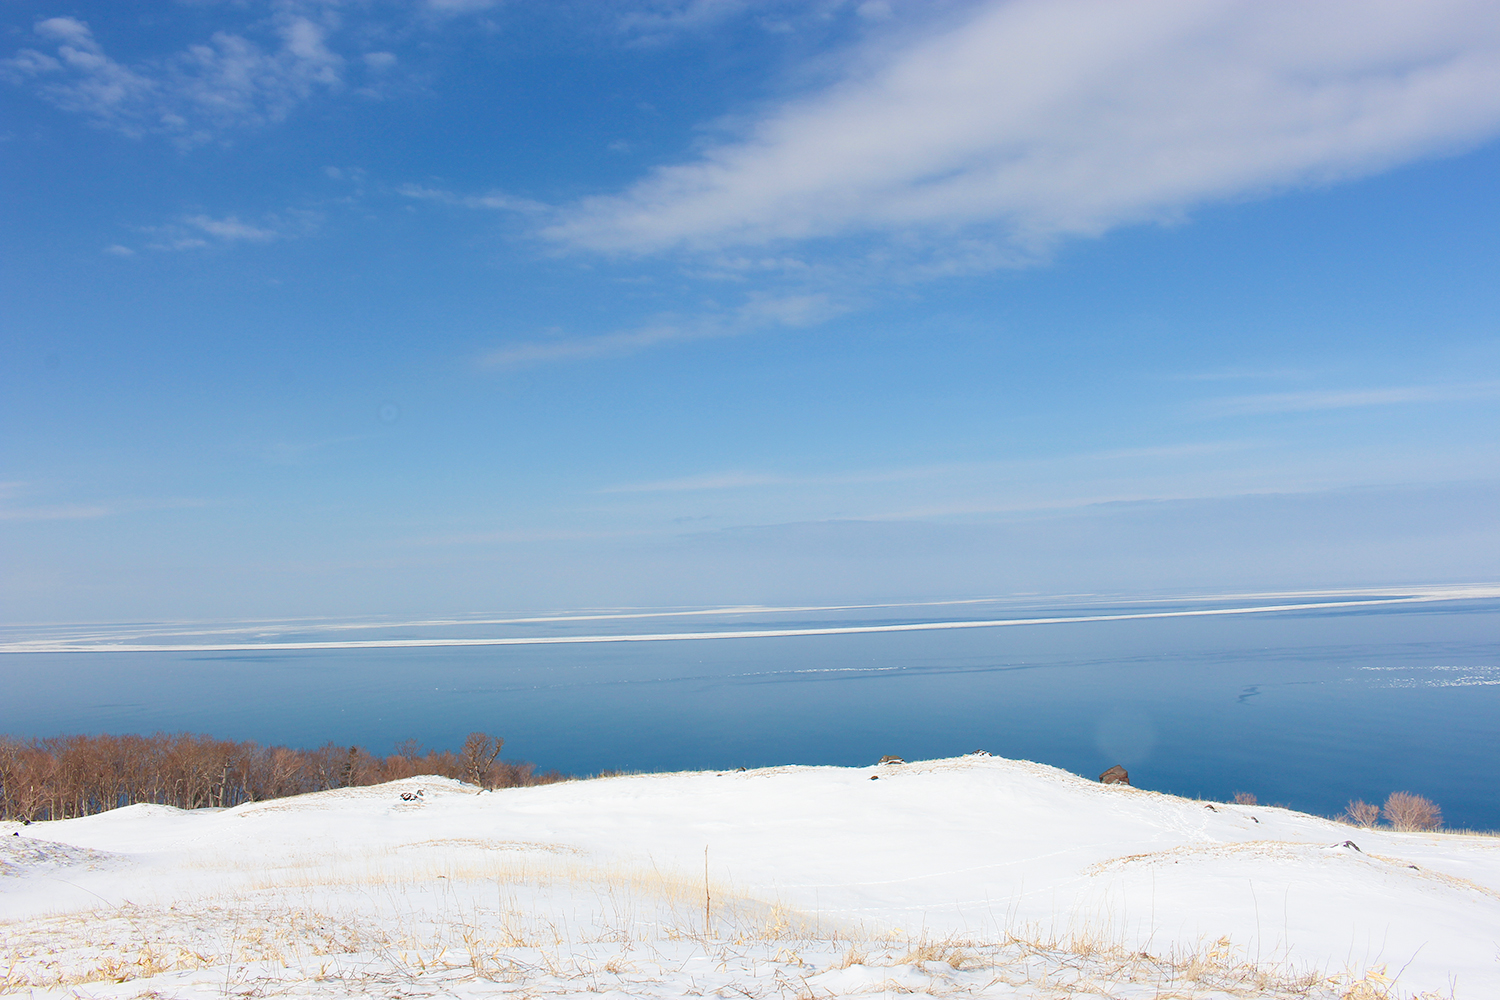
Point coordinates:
[(1116, 775)]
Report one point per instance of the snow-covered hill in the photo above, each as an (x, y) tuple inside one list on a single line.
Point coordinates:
[(976, 875)]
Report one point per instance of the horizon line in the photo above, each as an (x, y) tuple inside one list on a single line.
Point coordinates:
[(76, 646)]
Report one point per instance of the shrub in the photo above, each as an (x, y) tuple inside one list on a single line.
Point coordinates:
[(1361, 813), (1406, 811), (1244, 798)]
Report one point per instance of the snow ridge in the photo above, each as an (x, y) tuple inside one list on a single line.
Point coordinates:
[(974, 876)]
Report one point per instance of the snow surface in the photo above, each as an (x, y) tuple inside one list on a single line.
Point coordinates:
[(973, 876)]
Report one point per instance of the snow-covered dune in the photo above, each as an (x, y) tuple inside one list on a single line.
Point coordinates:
[(978, 874)]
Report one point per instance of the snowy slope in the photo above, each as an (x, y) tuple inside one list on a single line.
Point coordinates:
[(548, 886)]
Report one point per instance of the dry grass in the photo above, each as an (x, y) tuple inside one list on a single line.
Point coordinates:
[(547, 922), (947, 952), (1086, 964), (851, 957), (328, 954), (413, 913)]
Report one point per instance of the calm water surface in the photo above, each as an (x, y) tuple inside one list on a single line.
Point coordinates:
[(1308, 709)]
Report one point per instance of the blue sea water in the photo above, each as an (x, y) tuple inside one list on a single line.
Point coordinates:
[(1306, 708)]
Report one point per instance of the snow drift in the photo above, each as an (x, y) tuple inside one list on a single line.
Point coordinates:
[(978, 875)]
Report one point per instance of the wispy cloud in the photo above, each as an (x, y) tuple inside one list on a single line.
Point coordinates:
[(14, 506), (604, 346), (1031, 120), (55, 512), (193, 232), (495, 200), (743, 479), (459, 6), (660, 21), (227, 81), (521, 536), (231, 229), (685, 15), (760, 313), (1340, 399), (14, 490), (706, 481), (303, 452), (1239, 375)]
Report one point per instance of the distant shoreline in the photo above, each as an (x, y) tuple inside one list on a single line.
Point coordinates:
[(98, 646)]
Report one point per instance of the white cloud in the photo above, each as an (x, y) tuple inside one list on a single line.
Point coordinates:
[(758, 314), (1238, 374), (227, 81), (1036, 119), (231, 228), (658, 21), (59, 512), (706, 481), (1340, 399), (607, 345), (74, 511), (196, 231), (493, 200), (303, 452), (459, 6), (683, 15), (67, 30), (1003, 471)]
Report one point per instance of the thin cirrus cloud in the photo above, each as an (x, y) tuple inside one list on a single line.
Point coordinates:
[(705, 481), (661, 21), (231, 229), (495, 200), (1341, 399), (11, 510), (1034, 120), (227, 81), (538, 352), (927, 473), (56, 512), (742, 480), (758, 314), (194, 232)]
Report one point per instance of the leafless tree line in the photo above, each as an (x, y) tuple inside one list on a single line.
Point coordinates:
[(61, 777)]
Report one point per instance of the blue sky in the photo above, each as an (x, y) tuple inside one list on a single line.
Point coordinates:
[(348, 308)]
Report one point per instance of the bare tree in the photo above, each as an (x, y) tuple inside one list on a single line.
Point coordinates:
[(479, 753), (65, 776), (1406, 811), (286, 773)]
